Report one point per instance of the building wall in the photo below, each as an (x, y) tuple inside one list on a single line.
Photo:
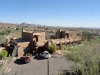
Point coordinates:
[(27, 36), (21, 49), (58, 34), (74, 34), (79, 34), (62, 33), (41, 37)]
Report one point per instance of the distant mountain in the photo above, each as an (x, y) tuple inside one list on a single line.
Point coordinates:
[(39, 25), (23, 24), (26, 24)]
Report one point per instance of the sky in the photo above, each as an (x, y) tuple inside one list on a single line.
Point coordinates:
[(66, 13)]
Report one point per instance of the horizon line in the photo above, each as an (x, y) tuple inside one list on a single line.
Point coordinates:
[(50, 25)]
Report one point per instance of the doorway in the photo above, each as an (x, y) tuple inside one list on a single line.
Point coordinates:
[(67, 35)]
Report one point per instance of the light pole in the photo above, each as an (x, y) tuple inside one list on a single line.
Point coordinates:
[(48, 66)]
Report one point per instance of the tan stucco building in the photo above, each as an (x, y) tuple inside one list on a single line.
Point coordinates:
[(30, 36), (68, 34)]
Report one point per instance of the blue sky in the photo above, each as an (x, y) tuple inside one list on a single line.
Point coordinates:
[(68, 13)]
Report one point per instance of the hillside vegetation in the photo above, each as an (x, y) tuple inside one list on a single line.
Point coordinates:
[(86, 57)]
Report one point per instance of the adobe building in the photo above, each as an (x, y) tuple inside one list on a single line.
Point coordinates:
[(30, 41), (74, 34), (68, 34), (30, 36), (60, 34)]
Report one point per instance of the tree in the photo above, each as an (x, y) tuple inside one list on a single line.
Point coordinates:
[(87, 36)]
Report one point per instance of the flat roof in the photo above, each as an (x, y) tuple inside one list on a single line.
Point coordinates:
[(27, 31), (36, 34)]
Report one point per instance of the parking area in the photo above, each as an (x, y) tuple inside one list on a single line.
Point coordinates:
[(40, 67)]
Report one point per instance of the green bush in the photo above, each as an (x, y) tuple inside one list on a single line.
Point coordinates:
[(52, 49), (17, 28), (3, 54)]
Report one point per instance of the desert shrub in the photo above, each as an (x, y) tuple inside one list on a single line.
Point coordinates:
[(7, 62), (3, 54), (86, 58), (5, 32), (2, 38), (73, 54), (8, 31), (52, 49), (17, 28), (88, 36)]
